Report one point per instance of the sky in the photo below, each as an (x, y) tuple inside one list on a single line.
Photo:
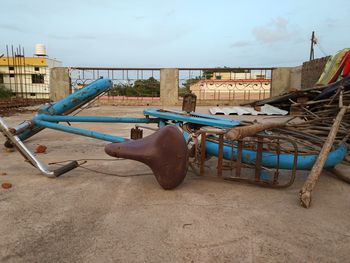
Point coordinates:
[(176, 33)]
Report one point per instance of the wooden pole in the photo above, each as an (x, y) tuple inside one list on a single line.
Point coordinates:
[(305, 192), (240, 132)]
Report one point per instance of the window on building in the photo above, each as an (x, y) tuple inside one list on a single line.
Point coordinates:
[(32, 94), (1, 78), (12, 75), (36, 68), (37, 78), (11, 68), (218, 77)]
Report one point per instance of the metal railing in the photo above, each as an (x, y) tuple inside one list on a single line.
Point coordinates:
[(128, 83), (143, 84)]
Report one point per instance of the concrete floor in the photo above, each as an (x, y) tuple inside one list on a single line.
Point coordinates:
[(85, 216)]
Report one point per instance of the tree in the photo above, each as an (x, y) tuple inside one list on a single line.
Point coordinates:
[(140, 88), (207, 74), (119, 89), (147, 88), (187, 85), (5, 92)]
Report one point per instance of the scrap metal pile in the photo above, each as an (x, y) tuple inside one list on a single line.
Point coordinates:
[(321, 126), (314, 111), (267, 154)]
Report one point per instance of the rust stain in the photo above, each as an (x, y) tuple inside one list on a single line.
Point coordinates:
[(40, 149), (6, 185)]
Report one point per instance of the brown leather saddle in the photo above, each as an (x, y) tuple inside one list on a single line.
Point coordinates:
[(164, 151)]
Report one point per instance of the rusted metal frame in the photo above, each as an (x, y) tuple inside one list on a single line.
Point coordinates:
[(220, 155), (278, 151), (258, 158), (264, 183), (301, 135), (294, 170), (239, 158), (203, 145)]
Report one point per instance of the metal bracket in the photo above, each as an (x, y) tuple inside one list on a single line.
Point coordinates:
[(28, 155)]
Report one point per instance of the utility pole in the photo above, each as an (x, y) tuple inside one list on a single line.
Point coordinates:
[(313, 42)]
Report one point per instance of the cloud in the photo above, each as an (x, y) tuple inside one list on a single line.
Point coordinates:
[(275, 31), (11, 27), (240, 43)]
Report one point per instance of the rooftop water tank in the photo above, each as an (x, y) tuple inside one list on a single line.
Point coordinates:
[(40, 50)]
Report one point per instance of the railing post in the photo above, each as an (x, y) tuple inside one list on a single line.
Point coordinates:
[(169, 86), (60, 84)]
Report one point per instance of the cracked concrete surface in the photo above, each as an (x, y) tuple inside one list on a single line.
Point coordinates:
[(85, 216)]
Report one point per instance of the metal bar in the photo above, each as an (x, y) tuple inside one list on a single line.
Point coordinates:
[(239, 158), (220, 154), (31, 158), (258, 158), (14, 70), (8, 64), (79, 131), (203, 146), (108, 68), (146, 127), (187, 69), (58, 118), (278, 152), (25, 74)]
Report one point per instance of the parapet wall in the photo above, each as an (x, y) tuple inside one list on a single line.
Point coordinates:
[(283, 80), (311, 72)]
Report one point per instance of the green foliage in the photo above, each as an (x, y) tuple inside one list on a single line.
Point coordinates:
[(186, 86), (207, 74), (5, 92), (140, 88), (147, 88)]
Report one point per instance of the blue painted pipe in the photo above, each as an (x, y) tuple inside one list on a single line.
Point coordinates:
[(271, 160), (106, 119), (202, 119), (79, 131), (78, 98), (70, 103)]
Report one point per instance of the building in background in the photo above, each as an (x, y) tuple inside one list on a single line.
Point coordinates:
[(230, 85), (27, 77)]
